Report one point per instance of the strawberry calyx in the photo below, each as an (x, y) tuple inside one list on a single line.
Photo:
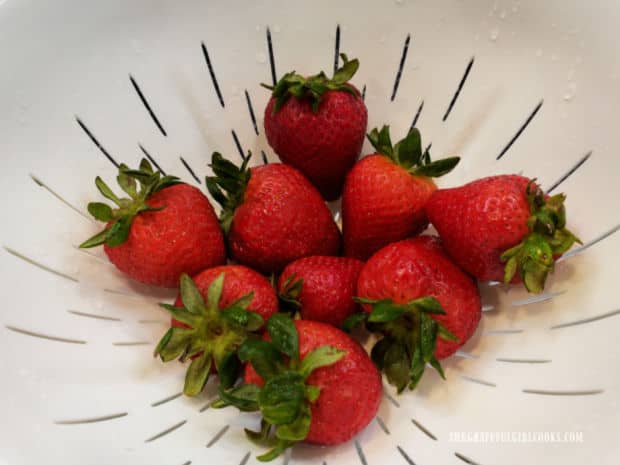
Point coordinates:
[(209, 335), (408, 154), (285, 398), (227, 186), (119, 219), (409, 337), (534, 258), (313, 87), (290, 293)]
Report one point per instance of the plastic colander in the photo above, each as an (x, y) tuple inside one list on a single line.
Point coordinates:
[(510, 86)]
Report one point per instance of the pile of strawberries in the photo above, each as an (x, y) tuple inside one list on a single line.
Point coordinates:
[(273, 323)]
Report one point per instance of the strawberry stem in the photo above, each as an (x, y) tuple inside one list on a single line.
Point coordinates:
[(534, 258), (227, 186), (313, 87), (208, 335), (408, 153), (119, 219), (409, 337), (285, 399)]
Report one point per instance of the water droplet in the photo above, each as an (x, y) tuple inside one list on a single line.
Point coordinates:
[(234, 91), (502, 15), (494, 34), (477, 37), (554, 25), (261, 57), (515, 7), (539, 53), (570, 91), (578, 59), (399, 2), (276, 28), (554, 57), (382, 39), (258, 28), (495, 6)]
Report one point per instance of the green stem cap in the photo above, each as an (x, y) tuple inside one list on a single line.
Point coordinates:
[(313, 87), (284, 400), (210, 336), (534, 258), (227, 185), (120, 219), (408, 154), (409, 337)]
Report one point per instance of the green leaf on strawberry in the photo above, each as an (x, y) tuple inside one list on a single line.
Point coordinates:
[(284, 400), (227, 185), (119, 219), (409, 339), (210, 336), (534, 258), (408, 154), (313, 87)]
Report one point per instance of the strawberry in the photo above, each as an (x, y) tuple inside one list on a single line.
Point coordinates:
[(385, 193), (162, 230), (424, 306), (320, 131), (212, 317), (271, 214), (239, 281), (311, 383), (321, 288), (502, 228)]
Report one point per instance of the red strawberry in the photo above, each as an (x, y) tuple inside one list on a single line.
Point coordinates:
[(384, 194), (321, 288), (271, 214), (212, 318), (502, 228), (320, 131), (164, 229), (312, 383), (238, 282), (423, 304)]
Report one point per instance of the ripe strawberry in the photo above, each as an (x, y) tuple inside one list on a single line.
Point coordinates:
[(164, 229), (311, 383), (212, 317), (320, 131), (271, 214), (423, 304), (321, 288), (502, 228), (385, 193), (239, 281)]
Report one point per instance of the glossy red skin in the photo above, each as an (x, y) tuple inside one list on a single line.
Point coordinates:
[(351, 388), (480, 220), (322, 145), (382, 203), (238, 282), (328, 287), (282, 218), (184, 237), (419, 267)]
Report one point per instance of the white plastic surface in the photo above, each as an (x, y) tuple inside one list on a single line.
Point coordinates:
[(73, 57)]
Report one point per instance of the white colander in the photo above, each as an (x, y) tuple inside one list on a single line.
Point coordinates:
[(510, 86)]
